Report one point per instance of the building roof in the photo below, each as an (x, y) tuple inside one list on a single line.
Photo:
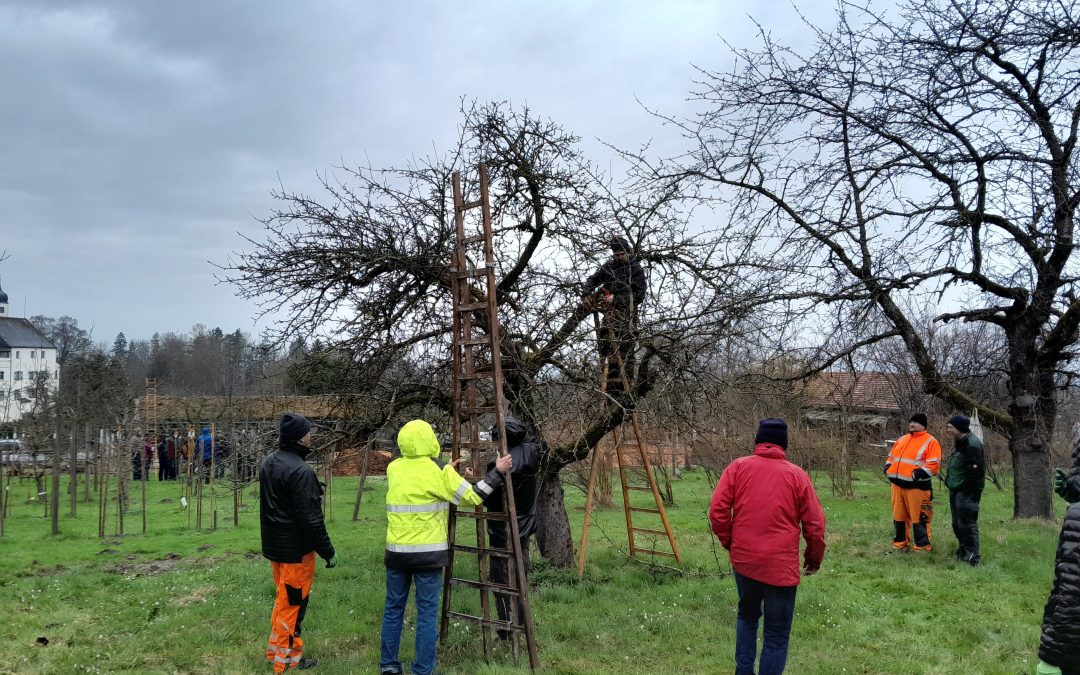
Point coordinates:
[(21, 333), (872, 391), (200, 409)]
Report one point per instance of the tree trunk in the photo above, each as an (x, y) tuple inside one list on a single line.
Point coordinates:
[(1033, 411), (552, 525), (1031, 468)]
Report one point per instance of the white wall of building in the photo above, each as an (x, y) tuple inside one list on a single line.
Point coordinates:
[(17, 368)]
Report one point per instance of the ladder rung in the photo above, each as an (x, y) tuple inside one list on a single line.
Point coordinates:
[(479, 444), (471, 307), (473, 239), (642, 488), (486, 340), (498, 552), (488, 585), (477, 375), (651, 552), (478, 410), (471, 205), (661, 533), (486, 515), (488, 622), (475, 272), (641, 510)]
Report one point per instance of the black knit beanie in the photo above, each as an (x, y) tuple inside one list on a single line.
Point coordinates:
[(961, 423), (294, 427), (920, 418), (620, 245), (772, 430)]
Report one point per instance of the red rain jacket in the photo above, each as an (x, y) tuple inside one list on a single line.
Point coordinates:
[(760, 505)]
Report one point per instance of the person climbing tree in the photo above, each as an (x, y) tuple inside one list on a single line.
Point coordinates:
[(617, 289)]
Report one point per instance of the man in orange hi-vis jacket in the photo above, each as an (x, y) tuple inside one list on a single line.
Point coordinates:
[(912, 464)]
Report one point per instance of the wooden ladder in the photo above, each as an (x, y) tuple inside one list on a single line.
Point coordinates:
[(477, 365), (629, 508)]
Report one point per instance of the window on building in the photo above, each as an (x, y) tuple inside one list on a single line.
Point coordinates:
[(18, 375), (2, 374), (17, 355), (5, 354), (33, 354)]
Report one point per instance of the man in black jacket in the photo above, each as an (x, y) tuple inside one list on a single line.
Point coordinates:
[(526, 465), (1059, 646), (290, 516), (965, 479), (618, 289)]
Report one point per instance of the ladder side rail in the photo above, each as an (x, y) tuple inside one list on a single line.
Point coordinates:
[(500, 421), (597, 456), (648, 471), (455, 448)]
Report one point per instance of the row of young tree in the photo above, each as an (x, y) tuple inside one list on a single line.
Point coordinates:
[(919, 157)]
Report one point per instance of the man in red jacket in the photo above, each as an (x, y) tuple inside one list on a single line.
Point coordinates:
[(761, 504)]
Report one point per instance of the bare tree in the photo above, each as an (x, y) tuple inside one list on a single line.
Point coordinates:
[(925, 155), (370, 272)]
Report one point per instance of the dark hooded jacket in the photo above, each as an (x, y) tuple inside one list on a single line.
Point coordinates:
[(290, 506), (527, 455), (1060, 642), (626, 281), (1072, 482)]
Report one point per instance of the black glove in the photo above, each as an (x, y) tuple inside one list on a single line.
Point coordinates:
[(920, 474), (332, 562)]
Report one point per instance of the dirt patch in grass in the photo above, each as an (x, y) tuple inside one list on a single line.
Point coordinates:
[(134, 570), (196, 595)]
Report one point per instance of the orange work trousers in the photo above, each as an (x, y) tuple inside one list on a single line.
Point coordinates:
[(912, 514), (293, 582)]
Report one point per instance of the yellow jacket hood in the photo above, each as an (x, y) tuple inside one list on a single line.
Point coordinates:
[(417, 439)]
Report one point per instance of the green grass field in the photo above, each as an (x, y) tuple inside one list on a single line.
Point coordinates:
[(185, 601)]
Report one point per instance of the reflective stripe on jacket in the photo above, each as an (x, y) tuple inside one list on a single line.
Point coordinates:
[(418, 500), (917, 450)]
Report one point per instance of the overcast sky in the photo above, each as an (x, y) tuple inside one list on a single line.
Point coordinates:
[(140, 137)]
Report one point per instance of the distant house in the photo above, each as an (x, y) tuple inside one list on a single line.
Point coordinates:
[(27, 363), (869, 403)]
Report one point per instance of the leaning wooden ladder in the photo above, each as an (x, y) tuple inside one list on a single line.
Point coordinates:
[(627, 488), (150, 413), (472, 365)]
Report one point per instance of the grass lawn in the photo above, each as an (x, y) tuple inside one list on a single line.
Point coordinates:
[(184, 601)]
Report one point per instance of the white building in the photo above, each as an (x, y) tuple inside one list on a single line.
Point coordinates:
[(26, 358)]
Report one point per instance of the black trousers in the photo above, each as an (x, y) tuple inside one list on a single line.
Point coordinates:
[(500, 574), (617, 335), (965, 524)]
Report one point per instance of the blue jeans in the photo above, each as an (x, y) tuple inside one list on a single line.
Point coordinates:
[(778, 603), (428, 587)]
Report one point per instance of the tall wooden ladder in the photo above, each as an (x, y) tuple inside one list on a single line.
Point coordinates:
[(478, 393), (628, 487), (150, 424)]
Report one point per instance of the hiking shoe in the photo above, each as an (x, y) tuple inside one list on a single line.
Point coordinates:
[(305, 663)]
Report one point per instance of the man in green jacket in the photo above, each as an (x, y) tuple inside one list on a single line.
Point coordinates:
[(965, 479)]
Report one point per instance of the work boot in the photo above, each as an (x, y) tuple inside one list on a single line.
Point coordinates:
[(305, 663)]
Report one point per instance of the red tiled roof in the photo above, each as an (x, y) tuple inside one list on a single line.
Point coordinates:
[(862, 390)]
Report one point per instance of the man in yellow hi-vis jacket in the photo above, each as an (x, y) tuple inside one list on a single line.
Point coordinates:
[(418, 498)]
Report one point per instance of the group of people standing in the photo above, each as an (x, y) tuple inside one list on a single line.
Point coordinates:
[(420, 493), (912, 464), (760, 508), (170, 451)]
